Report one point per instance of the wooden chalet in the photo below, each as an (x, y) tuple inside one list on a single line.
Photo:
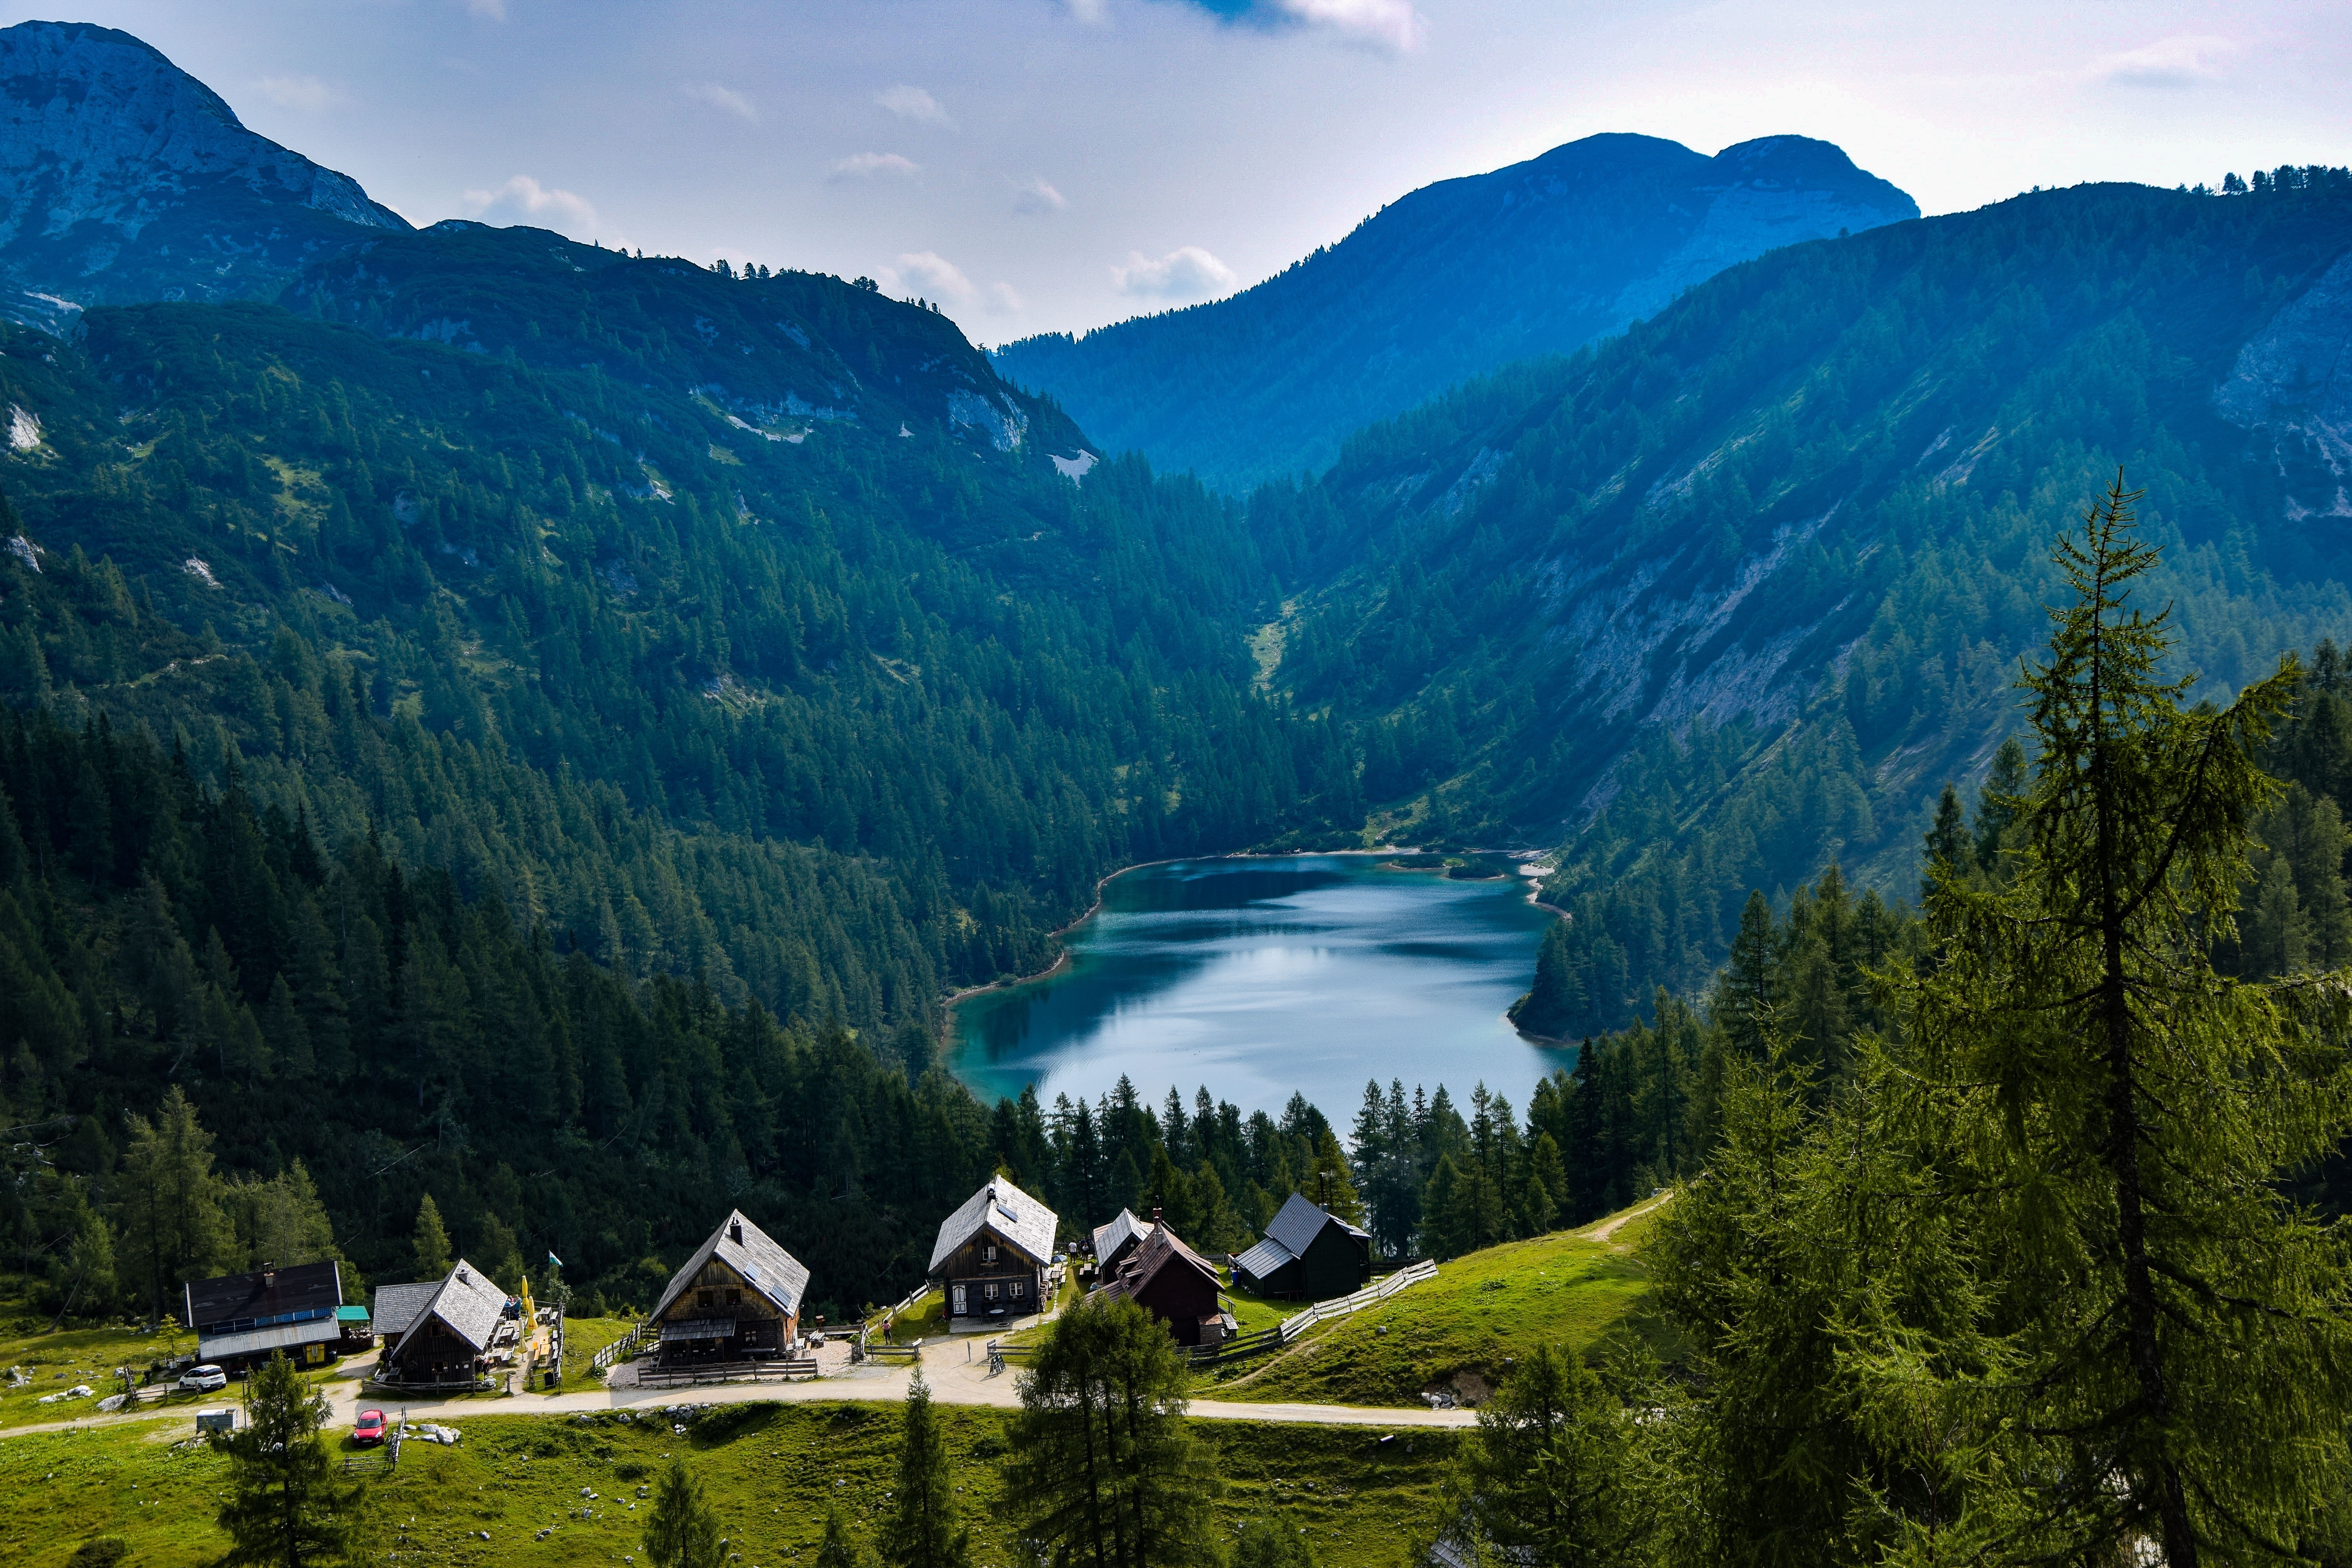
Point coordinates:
[(1308, 1254), (737, 1299), (241, 1320), (1174, 1284), (1115, 1239), (443, 1337), (995, 1256)]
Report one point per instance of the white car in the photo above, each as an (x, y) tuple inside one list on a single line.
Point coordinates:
[(205, 1379)]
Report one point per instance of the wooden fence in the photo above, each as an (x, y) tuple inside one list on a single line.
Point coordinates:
[(622, 1348), (727, 1372), (1000, 1355)]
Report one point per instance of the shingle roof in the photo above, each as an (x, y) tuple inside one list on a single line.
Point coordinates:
[(1300, 1222), (397, 1305), (1000, 1206), (757, 1259), (1264, 1259), (471, 1304), (1110, 1236), (1162, 1249), (264, 1297)]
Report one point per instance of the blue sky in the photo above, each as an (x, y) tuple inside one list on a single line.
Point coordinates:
[(1051, 164)]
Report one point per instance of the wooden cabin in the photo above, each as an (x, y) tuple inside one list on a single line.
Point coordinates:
[(1115, 1239), (1308, 1254), (241, 1320), (737, 1299), (443, 1338), (995, 1256), (1174, 1284)]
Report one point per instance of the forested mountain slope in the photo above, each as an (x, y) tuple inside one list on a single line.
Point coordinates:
[(1450, 282), (123, 178), (1732, 595)]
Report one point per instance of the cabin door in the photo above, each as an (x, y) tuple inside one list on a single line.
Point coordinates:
[(955, 1309)]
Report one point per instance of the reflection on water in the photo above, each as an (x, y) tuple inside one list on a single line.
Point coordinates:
[(1259, 977)]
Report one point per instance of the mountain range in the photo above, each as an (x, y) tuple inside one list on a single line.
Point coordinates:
[(1450, 282), (472, 703)]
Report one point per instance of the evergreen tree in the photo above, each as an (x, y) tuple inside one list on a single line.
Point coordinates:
[(430, 1246), (173, 1230), (285, 1507), (1951, 851), (1266, 1544), (1555, 1475), (836, 1550), (920, 1530), (683, 1531), (1998, 802), (1104, 1471)]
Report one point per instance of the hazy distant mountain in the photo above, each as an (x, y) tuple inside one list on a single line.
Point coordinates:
[(1450, 282), (123, 178)]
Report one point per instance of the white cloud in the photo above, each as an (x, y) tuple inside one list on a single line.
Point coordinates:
[(307, 93), (1384, 24), (488, 10), (866, 165), (2174, 62), (1189, 273), (1037, 197), (914, 103), (932, 275), (724, 98), (525, 201), (1004, 301), (1093, 13)]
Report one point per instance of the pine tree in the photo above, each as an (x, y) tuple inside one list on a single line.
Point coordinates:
[(172, 1226), (920, 1530), (285, 1507), (430, 1244), (836, 1550), (1554, 1475), (684, 1531), (1998, 802), (1104, 1472), (1950, 850)]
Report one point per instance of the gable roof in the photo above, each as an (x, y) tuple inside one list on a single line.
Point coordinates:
[(1161, 1250), (470, 1303), (1300, 1222), (1003, 1208), (1260, 1261), (266, 1297), (397, 1305), (1111, 1235), (756, 1259)]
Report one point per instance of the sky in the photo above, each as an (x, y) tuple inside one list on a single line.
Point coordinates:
[(1049, 165)]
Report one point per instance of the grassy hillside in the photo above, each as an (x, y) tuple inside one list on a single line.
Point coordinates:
[(768, 1468), (1582, 1288)]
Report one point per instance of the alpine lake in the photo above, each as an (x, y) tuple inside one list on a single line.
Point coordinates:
[(1262, 976)]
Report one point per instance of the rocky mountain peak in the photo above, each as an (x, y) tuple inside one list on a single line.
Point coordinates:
[(124, 178)]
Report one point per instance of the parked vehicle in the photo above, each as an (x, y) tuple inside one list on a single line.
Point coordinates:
[(204, 1378), (368, 1430)]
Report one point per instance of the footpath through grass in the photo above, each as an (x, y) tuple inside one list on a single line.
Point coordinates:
[(1457, 1332), (771, 1470)]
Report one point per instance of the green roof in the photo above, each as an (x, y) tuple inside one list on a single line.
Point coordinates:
[(351, 1314)]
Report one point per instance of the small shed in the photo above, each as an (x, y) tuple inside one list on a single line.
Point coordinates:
[(243, 1319), (445, 1338), (738, 1298), (1173, 1283), (995, 1256), (1115, 1239), (1308, 1254)]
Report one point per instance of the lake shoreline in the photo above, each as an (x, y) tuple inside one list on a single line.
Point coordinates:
[(958, 1025)]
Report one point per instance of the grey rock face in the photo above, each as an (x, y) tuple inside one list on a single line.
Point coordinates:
[(2293, 380), (123, 178)]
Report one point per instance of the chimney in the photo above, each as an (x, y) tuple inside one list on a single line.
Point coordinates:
[(735, 1231), (1155, 1213)]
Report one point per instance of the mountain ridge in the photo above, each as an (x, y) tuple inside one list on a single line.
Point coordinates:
[(124, 178), (1448, 282)]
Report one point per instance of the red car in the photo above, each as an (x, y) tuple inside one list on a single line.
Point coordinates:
[(368, 1430)]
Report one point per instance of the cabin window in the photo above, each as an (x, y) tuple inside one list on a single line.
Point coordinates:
[(988, 1253), (734, 1298), (989, 1290), (1015, 1289), (706, 1298)]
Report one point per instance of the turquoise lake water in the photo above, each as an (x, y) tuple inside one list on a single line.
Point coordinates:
[(1262, 976)]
